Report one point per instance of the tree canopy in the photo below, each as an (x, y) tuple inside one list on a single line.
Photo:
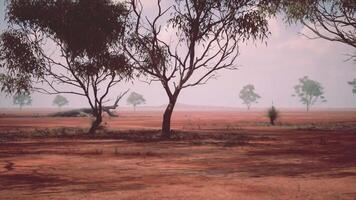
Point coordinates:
[(60, 101), (353, 84), (20, 62), (248, 95), (135, 99), (22, 99), (309, 92), (333, 20)]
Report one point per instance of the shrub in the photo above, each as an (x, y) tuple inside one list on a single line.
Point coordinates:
[(272, 114)]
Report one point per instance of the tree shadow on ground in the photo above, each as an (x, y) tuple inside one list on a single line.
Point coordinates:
[(265, 154), (317, 155), (43, 184)]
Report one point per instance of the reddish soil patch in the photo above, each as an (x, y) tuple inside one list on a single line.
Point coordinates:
[(184, 120), (248, 160)]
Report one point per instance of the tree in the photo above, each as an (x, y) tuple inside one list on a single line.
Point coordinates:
[(333, 20), (353, 84), (208, 33), (248, 95), (65, 47), (309, 92), (135, 99), (60, 101), (22, 99)]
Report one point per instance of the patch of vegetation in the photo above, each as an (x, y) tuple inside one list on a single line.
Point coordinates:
[(273, 115), (231, 139)]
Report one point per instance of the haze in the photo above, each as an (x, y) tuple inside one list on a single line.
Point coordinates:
[(273, 68)]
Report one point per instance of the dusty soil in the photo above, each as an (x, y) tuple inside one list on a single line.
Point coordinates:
[(216, 155), (183, 120)]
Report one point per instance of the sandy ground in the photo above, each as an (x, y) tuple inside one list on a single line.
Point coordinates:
[(307, 156)]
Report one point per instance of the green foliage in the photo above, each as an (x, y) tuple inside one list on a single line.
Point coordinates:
[(22, 99), (312, 10), (353, 84), (83, 31), (135, 99), (85, 27), (309, 92), (332, 20), (272, 114), (248, 95), (243, 20), (60, 101), (19, 62)]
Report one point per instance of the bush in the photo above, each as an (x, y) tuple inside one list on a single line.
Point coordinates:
[(272, 114)]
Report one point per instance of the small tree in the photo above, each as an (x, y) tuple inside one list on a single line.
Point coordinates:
[(60, 101), (22, 99), (135, 99), (248, 95), (353, 84), (309, 92), (273, 115)]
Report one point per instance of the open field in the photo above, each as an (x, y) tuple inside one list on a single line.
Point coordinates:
[(183, 120), (214, 155)]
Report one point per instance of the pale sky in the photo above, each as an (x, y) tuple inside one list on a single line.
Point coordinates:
[(273, 68)]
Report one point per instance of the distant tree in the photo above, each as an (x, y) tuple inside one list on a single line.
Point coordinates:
[(353, 84), (22, 99), (60, 101), (135, 99), (309, 92), (248, 95), (273, 115)]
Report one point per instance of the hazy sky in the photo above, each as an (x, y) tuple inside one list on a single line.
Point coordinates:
[(273, 68)]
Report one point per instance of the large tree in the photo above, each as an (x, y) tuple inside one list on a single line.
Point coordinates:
[(309, 92), (207, 36), (248, 95), (65, 47), (333, 20)]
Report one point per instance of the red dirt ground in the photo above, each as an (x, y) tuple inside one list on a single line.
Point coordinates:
[(186, 120), (307, 156)]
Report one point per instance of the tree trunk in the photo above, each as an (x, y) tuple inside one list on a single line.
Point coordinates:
[(308, 107), (96, 123), (166, 124)]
